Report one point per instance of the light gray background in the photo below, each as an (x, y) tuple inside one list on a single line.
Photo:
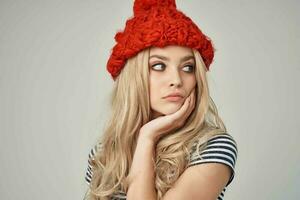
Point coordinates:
[(54, 91)]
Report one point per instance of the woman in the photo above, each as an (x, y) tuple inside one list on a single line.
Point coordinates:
[(164, 138)]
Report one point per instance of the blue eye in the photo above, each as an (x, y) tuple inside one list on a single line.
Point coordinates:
[(192, 67), (153, 66)]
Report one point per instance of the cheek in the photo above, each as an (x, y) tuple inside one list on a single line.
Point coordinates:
[(155, 87), (156, 101), (154, 94), (191, 84)]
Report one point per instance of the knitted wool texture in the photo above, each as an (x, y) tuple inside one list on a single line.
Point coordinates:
[(157, 23)]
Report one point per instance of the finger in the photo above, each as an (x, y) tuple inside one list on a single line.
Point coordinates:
[(180, 113), (182, 118), (193, 101), (191, 105), (185, 109)]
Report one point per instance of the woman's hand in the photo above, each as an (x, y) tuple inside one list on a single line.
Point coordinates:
[(156, 128)]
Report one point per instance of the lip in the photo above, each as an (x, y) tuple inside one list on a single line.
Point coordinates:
[(174, 98), (174, 94)]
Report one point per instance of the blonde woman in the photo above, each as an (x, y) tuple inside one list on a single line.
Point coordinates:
[(164, 138)]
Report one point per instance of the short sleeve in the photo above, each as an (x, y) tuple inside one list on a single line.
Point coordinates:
[(91, 156), (219, 149)]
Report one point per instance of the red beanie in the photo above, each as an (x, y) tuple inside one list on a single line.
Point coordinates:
[(157, 23)]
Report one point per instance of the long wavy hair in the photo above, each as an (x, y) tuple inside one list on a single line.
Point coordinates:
[(130, 110)]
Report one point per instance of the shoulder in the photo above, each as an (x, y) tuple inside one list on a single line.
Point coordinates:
[(219, 149), (209, 172)]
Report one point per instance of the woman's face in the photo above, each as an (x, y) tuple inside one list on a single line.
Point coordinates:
[(171, 70)]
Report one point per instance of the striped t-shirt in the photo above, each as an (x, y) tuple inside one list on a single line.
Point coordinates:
[(219, 149)]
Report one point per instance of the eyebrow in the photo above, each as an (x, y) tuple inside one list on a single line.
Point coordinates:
[(185, 58)]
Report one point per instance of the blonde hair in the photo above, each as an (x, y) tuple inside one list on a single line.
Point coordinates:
[(130, 110)]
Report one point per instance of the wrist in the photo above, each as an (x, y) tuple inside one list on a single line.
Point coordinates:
[(147, 137), (143, 156)]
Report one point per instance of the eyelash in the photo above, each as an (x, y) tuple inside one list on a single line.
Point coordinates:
[(192, 66)]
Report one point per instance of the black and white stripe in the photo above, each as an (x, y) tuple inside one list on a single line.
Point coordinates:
[(89, 170), (219, 149)]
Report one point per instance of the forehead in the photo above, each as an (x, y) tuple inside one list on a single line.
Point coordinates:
[(171, 49), (176, 53)]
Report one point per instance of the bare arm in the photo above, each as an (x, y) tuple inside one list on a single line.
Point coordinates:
[(201, 182), (142, 173), (204, 181)]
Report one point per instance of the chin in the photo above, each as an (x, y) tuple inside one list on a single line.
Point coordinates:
[(170, 111), (167, 110)]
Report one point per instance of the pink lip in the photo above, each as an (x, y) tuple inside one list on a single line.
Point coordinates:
[(174, 98), (174, 94)]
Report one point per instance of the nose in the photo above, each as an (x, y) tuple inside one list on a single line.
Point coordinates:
[(175, 78)]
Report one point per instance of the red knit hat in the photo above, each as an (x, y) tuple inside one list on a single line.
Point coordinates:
[(157, 23)]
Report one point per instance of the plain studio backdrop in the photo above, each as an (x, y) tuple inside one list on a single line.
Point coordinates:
[(54, 91)]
